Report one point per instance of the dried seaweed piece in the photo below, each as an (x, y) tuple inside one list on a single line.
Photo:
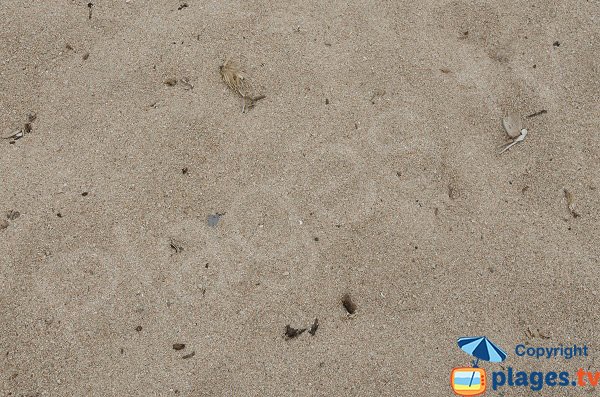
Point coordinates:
[(233, 77), (291, 333)]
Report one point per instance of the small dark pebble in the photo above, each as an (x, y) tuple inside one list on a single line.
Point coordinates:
[(84, 194), (85, 56), (178, 346), (291, 333), (314, 327), (316, 239), (184, 170), (556, 44), (326, 101), (170, 82), (122, 350), (138, 328), (349, 304), (192, 354), (182, 6), (59, 214)]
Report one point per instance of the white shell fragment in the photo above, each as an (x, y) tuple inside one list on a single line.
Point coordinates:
[(512, 125), (518, 139)]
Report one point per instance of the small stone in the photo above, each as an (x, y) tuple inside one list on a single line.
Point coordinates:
[(138, 328), (3, 224), (178, 346), (170, 82)]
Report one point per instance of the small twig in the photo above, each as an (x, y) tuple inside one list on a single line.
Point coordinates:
[(520, 138), (543, 111), (314, 327), (192, 354), (249, 102)]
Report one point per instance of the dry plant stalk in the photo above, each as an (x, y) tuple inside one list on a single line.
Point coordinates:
[(235, 79)]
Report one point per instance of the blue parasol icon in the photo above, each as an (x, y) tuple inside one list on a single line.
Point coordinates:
[(482, 349)]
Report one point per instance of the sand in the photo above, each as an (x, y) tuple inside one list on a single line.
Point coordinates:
[(153, 214)]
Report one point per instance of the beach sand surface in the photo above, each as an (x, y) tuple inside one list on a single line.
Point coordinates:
[(151, 214)]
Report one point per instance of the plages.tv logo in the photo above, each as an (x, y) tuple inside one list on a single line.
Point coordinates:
[(472, 381)]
